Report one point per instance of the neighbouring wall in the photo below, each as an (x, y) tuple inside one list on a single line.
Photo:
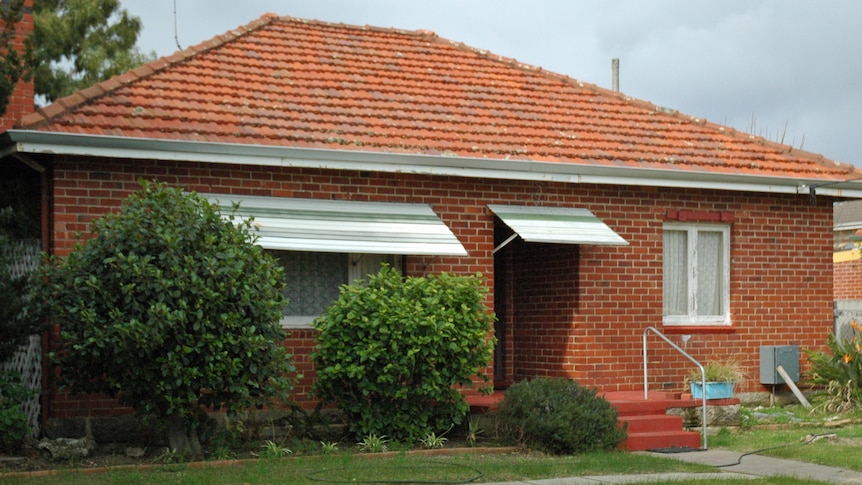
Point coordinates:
[(847, 273)]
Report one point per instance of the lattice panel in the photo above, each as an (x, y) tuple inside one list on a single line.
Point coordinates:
[(27, 361), (25, 257)]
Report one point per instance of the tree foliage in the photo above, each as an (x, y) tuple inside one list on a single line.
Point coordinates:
[(171, 308), (78, 43), (390, 351), (74, 44)]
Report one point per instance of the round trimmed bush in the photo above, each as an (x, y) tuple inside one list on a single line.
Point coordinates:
[(558, 416)]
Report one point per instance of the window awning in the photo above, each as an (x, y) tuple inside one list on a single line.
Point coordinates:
[(339, 226), (560, 225)]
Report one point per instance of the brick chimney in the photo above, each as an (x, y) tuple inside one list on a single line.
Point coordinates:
[(22, 102)]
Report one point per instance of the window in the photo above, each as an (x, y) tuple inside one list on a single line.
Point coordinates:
[(313, 280), (696, 274)]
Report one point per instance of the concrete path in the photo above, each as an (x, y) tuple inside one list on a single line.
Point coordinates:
[(729, 464)]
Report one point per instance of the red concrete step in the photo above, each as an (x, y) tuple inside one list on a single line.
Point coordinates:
[(484, 404), (661, 439), (640, 408), (651, 423)]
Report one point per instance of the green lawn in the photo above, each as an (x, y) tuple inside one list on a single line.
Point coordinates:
[(454, 467), (783, 434), (367, 468)]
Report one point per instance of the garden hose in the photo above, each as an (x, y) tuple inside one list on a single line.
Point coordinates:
[(805, 441)]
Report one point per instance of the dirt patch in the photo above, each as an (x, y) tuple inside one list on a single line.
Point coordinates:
[(112, 455), (38, 462)]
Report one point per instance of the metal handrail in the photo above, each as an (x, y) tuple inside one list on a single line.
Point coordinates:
[(687, 356)]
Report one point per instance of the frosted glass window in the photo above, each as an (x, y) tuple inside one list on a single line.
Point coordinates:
[(314, 279), (696, 274), (675, 266)]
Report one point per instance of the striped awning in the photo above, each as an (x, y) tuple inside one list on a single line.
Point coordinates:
[(338, 226), (560, 225)]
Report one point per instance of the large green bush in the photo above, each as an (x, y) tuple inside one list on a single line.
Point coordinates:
[(558, 416), (391, 351), (171, 308)]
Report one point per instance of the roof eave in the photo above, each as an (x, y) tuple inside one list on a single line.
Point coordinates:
[(39, 142)]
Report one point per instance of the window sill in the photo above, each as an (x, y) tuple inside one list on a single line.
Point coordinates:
[(697, 329)]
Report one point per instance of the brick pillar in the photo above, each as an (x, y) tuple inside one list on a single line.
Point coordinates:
[(21, 102)]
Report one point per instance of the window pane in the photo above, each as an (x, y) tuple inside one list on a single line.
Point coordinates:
[(313, 280), (709, 272), (675, 271), (362, 265)]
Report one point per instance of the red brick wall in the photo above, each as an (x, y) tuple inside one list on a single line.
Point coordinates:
[(22, 100), (545, 283), (781, 271), (848, 280)]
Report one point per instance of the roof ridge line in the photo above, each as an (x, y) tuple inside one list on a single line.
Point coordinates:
[(372, 28), (62, 105), (816, 158)]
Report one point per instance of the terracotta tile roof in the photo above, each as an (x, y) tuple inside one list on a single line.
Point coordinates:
[(291, 82)]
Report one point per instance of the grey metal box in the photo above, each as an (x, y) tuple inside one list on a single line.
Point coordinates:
[(772, 356)]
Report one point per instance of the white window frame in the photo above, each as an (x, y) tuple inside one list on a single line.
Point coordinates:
[(693, 318), (359, 266)]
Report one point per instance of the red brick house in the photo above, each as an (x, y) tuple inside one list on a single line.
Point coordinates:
[(593, 215)]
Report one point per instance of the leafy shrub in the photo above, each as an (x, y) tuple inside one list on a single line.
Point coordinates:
[(558, 416), (372, 443), (172, 309), (433, 441), (840, 371), (13, 419), (390, 351), (721, 370)]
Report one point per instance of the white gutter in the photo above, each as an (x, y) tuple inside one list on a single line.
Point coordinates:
[(36, 142)]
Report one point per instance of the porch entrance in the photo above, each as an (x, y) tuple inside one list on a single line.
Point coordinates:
[(536, 286)]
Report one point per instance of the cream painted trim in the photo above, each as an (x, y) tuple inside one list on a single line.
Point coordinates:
[(32, 141), (845, 256)]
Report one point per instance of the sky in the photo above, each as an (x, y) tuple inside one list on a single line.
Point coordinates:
[(787, 70)]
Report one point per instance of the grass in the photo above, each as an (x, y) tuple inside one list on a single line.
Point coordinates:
[(456, 467), (781, 432), (366, 468), (400, 468)]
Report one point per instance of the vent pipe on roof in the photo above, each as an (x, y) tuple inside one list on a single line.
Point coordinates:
[(615, 74)]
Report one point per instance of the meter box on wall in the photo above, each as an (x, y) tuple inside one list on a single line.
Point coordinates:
[(772, 356)]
